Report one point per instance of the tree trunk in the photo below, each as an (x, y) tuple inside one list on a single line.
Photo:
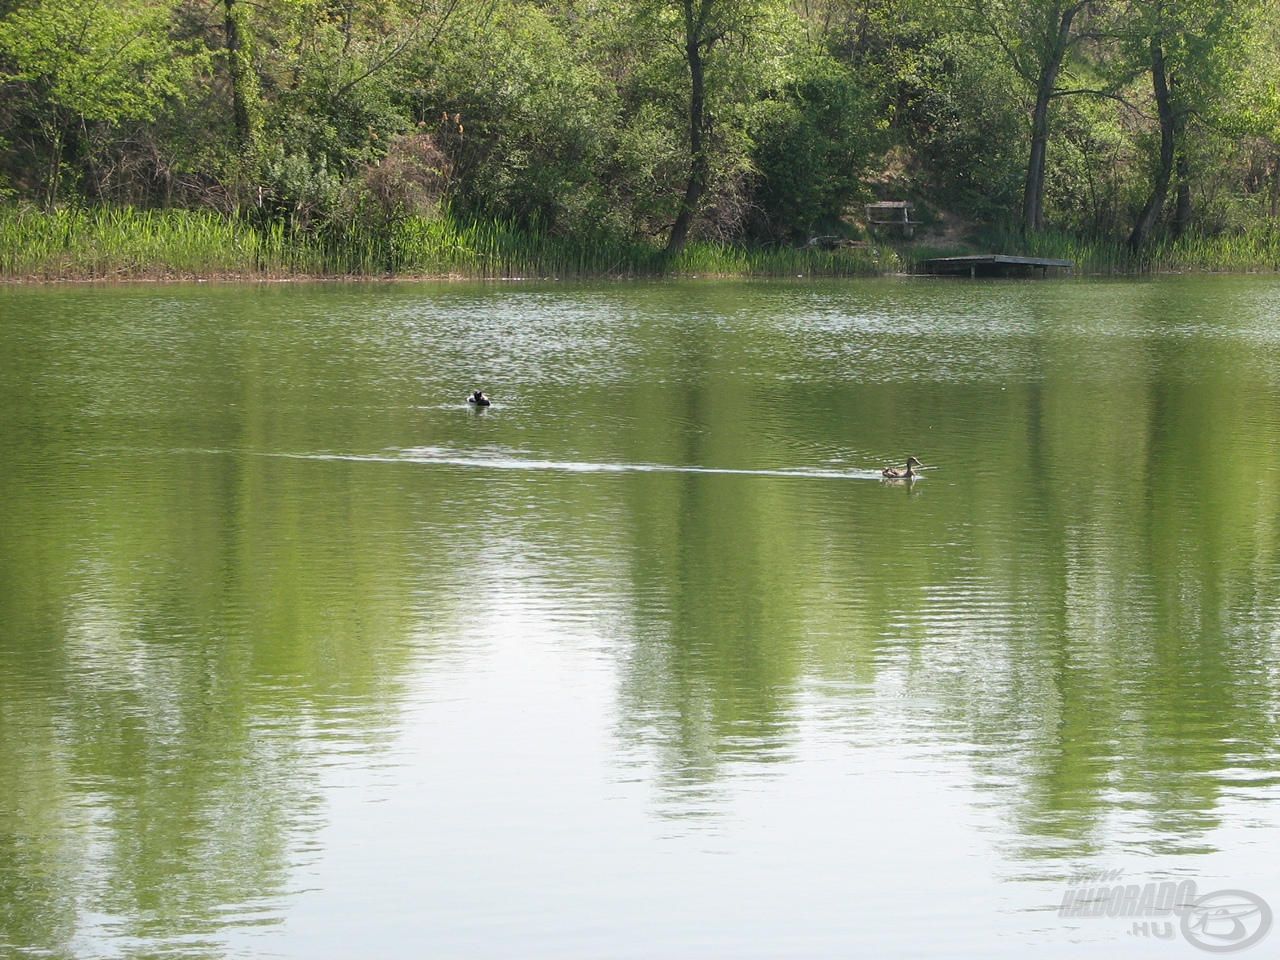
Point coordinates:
[(1182, 205), (699, 165), (1146, 222), (55, 169), (1033, 193), (236, 66), (1275, 187)]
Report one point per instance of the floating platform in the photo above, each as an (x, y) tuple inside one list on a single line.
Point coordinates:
[(995, 265)]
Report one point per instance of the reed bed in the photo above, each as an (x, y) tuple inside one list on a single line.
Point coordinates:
[(111, 242), (1253, 251), (128, 243)]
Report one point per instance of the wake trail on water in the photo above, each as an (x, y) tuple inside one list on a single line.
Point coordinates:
[(441, 456)]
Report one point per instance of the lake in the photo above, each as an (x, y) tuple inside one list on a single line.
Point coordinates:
[(302, 656)]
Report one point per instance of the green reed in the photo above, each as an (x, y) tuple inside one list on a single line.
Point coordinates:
[(125, 242), (128, 243), (1254, 250)]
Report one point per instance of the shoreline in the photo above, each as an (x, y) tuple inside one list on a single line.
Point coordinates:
[(229, 279), (107, 245)]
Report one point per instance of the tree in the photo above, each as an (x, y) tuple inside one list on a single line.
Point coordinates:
[(699, 38), (75, 62), (1250, 119), (1188, 47), (964, 132), (1036, 37), (529, 123), (813, 143), (1170, 120), (244, 86), (1055, 39), (702, 30)]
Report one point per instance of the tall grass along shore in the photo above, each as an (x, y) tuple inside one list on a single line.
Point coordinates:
[(128, 243), (104, 243)]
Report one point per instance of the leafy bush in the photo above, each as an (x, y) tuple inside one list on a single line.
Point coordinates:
[(962, 116), (815, 142)]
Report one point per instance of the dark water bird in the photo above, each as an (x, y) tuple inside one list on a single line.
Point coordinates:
[(479, 399), (893, 473)]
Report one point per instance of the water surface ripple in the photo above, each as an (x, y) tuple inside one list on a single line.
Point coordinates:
[(301, 656)]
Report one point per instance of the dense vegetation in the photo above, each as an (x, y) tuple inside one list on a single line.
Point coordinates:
[(599, 136)]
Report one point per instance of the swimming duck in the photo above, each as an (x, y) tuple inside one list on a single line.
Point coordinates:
[(893, 473), (479, 399)]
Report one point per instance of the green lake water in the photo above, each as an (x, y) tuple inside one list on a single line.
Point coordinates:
[(300, 656)]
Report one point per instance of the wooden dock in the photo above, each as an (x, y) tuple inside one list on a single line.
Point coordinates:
[(995, 265)]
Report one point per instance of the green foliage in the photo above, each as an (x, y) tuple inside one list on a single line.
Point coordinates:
[(94, 60), (297, 189), (814, 143), (69, 64), (363, 122), (532, 122), (1093, 181), (321, 110), (959, 114), (642, 171)]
